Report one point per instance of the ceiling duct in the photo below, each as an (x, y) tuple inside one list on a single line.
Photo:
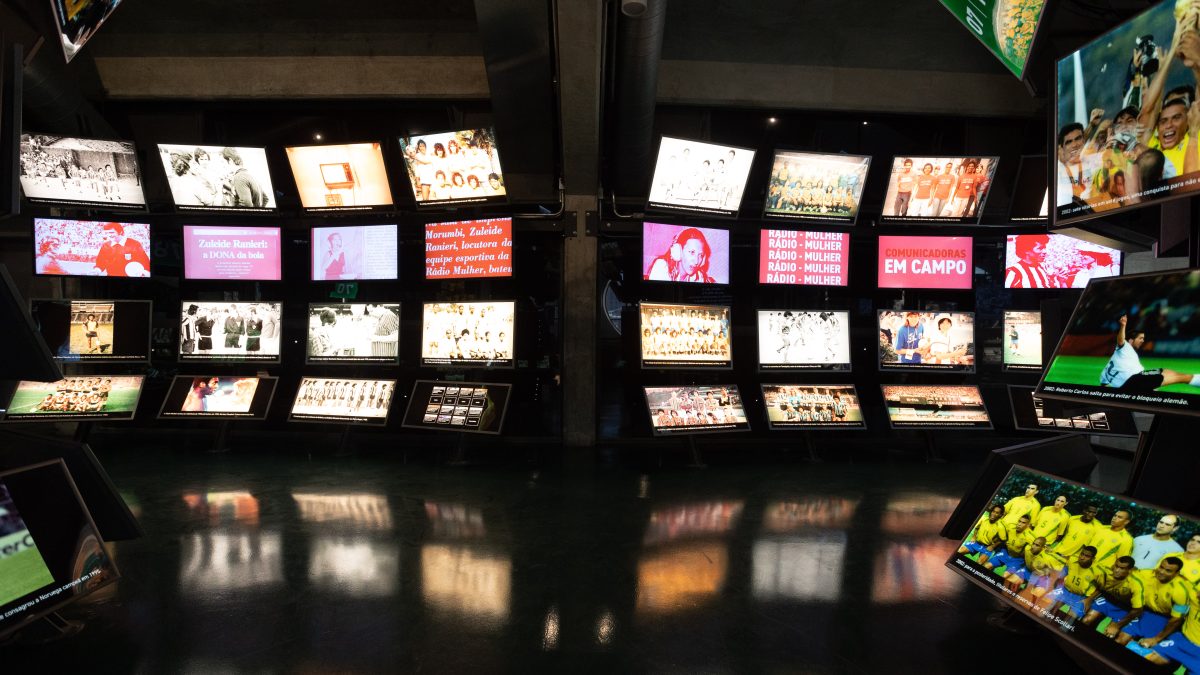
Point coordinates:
[(635, 90)]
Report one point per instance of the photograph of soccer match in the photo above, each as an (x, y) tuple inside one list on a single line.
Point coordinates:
[(1133, 341), (353, 332), (346, 400), (244, 331), (813, 186), (930, 406), (685, 335), (1126, 131), (57, 169), (468, 333), (453, 166), (218, 177), (911, 340), (1022, 340), (22, 568), (1056, 261), (88, 248), (948, 189), (818, 406), (696, 409), (818, 340), (699, 177), (1117, 576), (94, 396)]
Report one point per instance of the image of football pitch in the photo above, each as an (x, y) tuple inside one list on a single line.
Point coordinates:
[(79, 343), (21, 573), (26, 402), (1087, 369)]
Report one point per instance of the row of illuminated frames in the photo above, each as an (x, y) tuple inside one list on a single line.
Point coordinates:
[(689, 176), (482, 334), (483, 248)]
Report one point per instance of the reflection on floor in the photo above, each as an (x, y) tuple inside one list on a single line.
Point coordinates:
[(272, 564)]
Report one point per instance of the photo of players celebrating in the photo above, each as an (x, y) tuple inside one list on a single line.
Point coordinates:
[(240, 331), (812, 186), (793, 339), (699, 177), (454, 167), (696, 409), (825, 406), (910, 340), (88, 248), (57, 169), (354, 333), (343, 400), (929, 406), (1022, 340), (1056, 261), (1132, 342), (220, 395), (1118, 577), (947, 189), (1126, 136), (217, 177), (93, 396), (685, 335), (468, 333)]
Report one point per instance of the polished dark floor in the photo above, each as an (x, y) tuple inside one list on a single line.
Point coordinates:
[(277, 563)]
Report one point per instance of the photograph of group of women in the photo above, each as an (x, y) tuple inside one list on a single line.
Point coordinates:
[(696, 409), (812, 186), (454, 166), (682, 335)]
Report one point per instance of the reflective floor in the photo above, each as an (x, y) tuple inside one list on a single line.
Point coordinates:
[(274, 563)]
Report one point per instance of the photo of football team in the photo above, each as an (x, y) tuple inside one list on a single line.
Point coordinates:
[(685, 335), (696, 409), (1121, 577), (947, 189), (927, 406), (93, 396), (83, 171), (803, 339), (813, 186), (699, 177), (347, 400), (478, 333), (826, 406)]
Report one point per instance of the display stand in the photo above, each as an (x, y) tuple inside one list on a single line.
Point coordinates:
[(221, 442), (931, 453), (50, 628), (460, 451), (697, 462), (811, 448), (82, 431), (343, 446)]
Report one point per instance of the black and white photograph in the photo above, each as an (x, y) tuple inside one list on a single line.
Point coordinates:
[(321, 399), (83, 171), (351, 332), (235, 331), (699, 177), (214, 177), (467, 333), (818, 340)]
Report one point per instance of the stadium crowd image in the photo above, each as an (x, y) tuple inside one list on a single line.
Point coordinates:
[(610, 337)]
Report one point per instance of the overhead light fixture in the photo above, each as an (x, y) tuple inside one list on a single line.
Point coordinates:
[(318, 137), (772, 120)]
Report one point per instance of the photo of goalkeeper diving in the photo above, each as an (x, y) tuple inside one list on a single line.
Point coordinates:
[(1132, 342)]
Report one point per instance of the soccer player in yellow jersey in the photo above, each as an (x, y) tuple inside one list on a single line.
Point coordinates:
[(1026, 505), (989, 534), (1113, 597), (1040, 570), (1159, 610), (1183, 645), (1113, 541), (1080, 530), (1191, 560), (1013, 554), (1051, 523), (1076, 585)]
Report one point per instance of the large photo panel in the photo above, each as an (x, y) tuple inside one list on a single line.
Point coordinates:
[(697, 177), (219, 396), (797, 257), (95, 331), (1132, 342), (1022, 340), (230, 331), (225, 253), (218, 178), (353, 252), (454, 167), (696, 409), (1056, 261), (343, 400), (465, 407), (816, 187), (804, 340), (938, 189), (89, 248), (1123, 138), (686, 254), (1114, 577), (912, 340), (353, 333), (81, 172), (685, 336), (928, 406), (90, 397), (1031, 413), (476, 333), (346, 177), (812, 406)]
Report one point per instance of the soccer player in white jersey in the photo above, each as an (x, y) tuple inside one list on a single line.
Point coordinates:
[(1124, 370)]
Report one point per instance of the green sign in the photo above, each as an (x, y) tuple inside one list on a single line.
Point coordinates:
[(345, 290), (1005, 27)]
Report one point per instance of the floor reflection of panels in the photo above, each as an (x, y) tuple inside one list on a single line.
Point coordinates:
[(681, 577), (465, 581)]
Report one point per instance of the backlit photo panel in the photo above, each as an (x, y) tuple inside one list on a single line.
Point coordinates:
[(468, 334), (804, 340), (80, 172), (938, 189), (230, 331), (816, 187), (696, 409), (816, 406), (352, 401), (912, 340), (454, 167), (218, 178), (344, 177), (97, 331), (353, 333), (685, 336), (935, 406), (695, 177), (89, 248), (219, 396), (686, 254)]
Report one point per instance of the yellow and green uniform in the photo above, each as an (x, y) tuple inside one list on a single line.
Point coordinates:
[(1082, 580), (1191, 625), (1110, 545), (1175, 155), (1050, 523), (1043, 564), (1190, 570), (1017, 541), (1169, 599), (1078, 535), (1021, 506), (986, 531), (1121, 591)]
